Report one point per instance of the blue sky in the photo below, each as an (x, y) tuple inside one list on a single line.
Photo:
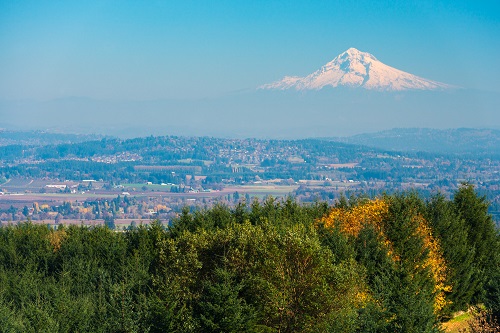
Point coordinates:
[(145, 50)]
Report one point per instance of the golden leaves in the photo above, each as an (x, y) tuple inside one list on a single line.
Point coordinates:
[(435, 261), (56, 238), (352, 220), (374, 213)]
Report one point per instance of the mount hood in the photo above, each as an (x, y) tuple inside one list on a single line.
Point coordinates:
[(354, 69)]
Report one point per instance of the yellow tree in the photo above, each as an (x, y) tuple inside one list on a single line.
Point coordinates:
[(375, 214)]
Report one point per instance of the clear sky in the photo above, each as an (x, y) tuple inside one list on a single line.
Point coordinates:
[(142, 50)]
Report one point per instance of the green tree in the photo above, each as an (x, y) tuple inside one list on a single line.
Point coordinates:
[(492, 299), (452, 232), (109, 221), (482, 238), (25, 211), (412, 285), (221, 307), (382, 278)]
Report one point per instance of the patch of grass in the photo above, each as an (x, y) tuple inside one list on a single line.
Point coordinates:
[(457, 323)]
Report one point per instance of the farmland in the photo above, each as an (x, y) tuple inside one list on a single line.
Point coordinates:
[(174, 172)]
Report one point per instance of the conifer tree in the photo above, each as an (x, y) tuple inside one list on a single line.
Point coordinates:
[(452, 232), (482, 237), (221, 308), (413, 284)]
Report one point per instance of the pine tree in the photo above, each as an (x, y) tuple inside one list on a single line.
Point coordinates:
[(482, 237), (413, 286), (379, 314), (220, 308), (452, 232)]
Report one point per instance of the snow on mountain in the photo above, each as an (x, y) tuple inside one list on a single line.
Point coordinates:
[(354, 68)]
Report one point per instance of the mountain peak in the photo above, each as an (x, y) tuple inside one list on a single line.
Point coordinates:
[(352, 51), (354, 68)]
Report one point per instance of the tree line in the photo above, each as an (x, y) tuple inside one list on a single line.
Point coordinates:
[(396, 263)]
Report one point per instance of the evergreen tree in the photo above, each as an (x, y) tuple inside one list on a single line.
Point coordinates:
[(482, 237), (221, 308), (492, 299), (109, 221), (452, 231), (379, 314), (412, 284)]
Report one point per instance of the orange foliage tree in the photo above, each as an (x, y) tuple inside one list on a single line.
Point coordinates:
[(374, 213)]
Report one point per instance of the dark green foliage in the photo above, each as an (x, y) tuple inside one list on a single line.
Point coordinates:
[(221, 307), (492, 297), (109, 221), (452, 231), (266, 267), (492, 300), (86, 283), (340, 245), (217, 217), (482, 238), (381, 278), (412, 286)]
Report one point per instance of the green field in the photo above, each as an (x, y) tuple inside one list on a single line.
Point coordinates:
[(139, 186), (261, 191)]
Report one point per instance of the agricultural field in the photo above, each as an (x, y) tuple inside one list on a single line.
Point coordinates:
[(45, 201), (261, 191)]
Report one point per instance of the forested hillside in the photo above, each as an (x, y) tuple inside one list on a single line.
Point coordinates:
[(460, 141), (397, 263)]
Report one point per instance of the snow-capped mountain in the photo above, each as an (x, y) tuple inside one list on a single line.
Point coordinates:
[(354, 68)]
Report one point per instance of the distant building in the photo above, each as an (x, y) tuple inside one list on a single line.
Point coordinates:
[(60, 187)]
